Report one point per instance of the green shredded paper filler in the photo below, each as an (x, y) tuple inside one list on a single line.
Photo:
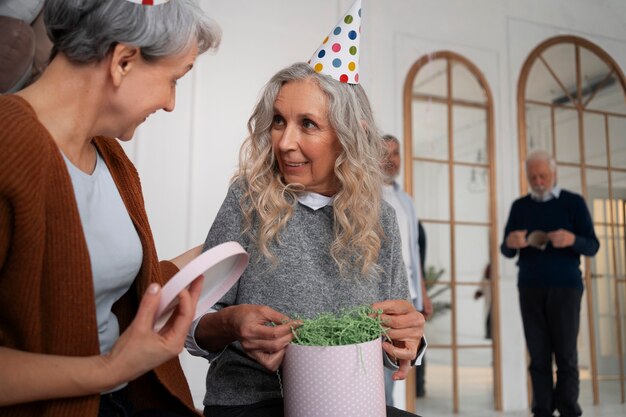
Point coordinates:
[(358, 325)]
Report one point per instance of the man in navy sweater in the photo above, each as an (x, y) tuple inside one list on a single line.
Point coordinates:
[(549, 229)]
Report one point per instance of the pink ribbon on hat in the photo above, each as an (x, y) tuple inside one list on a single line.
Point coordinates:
[(148, 2)]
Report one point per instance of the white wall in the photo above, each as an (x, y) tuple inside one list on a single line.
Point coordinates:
[(186, 158)]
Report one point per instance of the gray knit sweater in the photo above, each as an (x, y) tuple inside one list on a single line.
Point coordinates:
[(304, 282)]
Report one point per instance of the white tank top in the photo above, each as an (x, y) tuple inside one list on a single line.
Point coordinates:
[(115, 250)]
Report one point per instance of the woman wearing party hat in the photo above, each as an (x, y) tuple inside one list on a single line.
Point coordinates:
[(74, 235), (306, 204)]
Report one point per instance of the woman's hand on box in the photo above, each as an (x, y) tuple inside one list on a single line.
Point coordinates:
[(405, 331), (263, 332)]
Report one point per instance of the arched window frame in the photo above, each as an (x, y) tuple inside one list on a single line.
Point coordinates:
[(578, 42), (494, 253)]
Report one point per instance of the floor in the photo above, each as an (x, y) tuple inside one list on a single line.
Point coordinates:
[(476, 400), (609, 410), (475, 395)]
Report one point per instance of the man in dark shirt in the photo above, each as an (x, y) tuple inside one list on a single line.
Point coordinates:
[(549, 229)]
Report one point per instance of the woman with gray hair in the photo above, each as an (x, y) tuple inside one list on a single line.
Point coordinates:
[(306, 204), (79, 275)]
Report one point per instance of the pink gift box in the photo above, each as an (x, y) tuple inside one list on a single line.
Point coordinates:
[(334, 381), (221, 267)]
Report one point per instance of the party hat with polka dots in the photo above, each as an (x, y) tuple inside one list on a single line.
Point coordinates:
[(149, 2), (338, 56)]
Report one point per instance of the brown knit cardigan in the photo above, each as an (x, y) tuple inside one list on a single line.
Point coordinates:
[(46, 288)]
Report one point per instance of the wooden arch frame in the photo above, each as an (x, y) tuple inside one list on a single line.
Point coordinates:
[(522, 143), (493, 233), (523, 80)]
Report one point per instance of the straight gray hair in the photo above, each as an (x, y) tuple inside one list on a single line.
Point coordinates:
[(541, 155), (86, 30), (390, 138)]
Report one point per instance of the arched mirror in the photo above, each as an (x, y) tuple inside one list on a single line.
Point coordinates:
[(449, 166), (572, 103)]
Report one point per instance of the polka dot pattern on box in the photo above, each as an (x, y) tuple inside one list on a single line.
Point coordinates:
[(338, 56), (334, 381)]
